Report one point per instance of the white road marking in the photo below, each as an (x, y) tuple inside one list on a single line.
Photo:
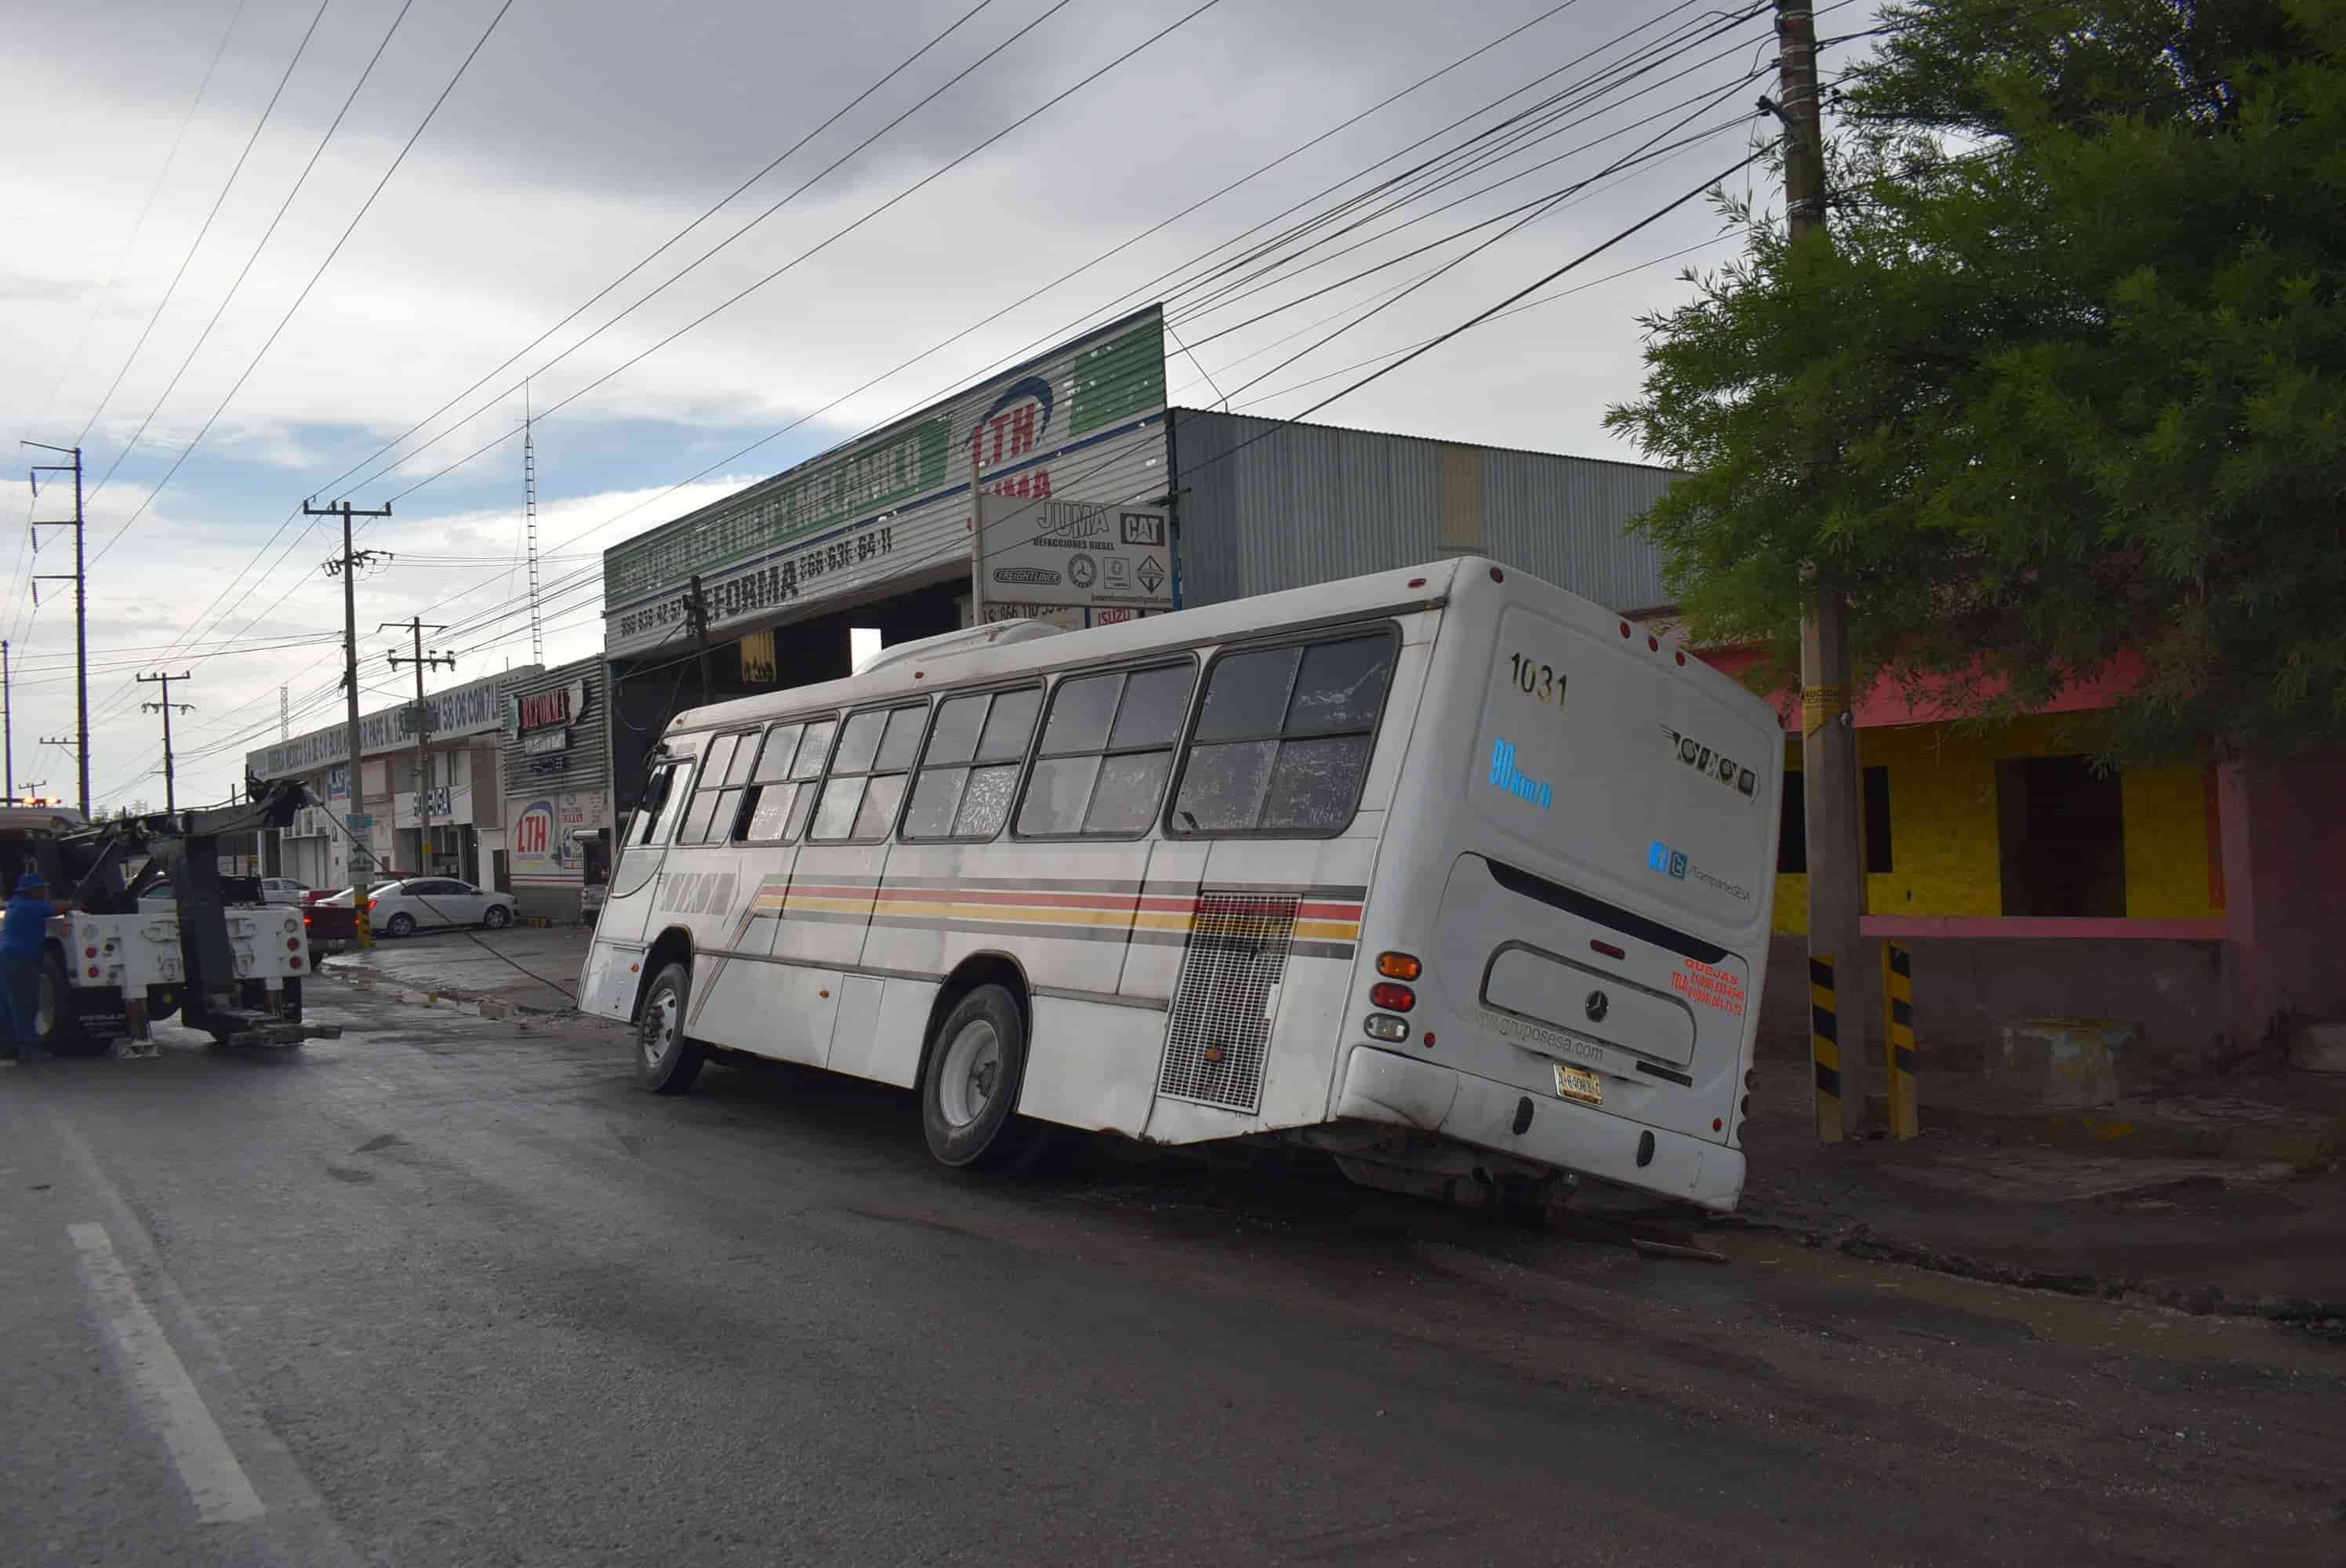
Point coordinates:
[(215, 1481)]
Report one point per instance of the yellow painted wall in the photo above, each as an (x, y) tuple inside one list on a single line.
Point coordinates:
[(1943, 823)]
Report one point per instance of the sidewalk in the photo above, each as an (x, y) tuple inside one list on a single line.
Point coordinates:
[(2220, 1195), (523, 968)]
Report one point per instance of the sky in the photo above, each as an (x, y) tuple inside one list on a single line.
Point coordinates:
[(209, 283)]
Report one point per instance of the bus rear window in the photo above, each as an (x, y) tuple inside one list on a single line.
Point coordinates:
[(1283, 739)]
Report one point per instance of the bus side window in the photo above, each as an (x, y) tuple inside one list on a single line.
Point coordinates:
[(766, 814), (1283, 738), (970, 771), (714, 804), (663, 798), (866, 786), (1107, 751)]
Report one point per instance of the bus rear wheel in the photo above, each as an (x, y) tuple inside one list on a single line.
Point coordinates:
[(969, 1092)]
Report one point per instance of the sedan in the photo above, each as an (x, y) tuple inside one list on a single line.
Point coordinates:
[(401, 908), (284, 891)]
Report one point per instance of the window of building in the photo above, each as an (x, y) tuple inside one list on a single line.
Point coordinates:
[(876, 748), (1283, 738), (1105, 753), (2061, 833), (717, 797), (1792, 832), (969, 774)]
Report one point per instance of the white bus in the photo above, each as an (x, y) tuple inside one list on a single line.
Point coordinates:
[(1444, 872)]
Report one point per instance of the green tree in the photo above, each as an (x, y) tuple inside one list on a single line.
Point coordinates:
[(2067, 383)]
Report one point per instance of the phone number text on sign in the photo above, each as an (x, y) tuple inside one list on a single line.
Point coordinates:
[(1710, 985), (779, 584)]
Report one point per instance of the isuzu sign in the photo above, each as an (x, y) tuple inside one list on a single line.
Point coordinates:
[(1084, 422)]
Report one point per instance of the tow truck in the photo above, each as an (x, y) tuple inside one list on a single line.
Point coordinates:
[(219, 957)]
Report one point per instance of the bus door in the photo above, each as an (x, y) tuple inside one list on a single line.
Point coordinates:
[(635, 881)]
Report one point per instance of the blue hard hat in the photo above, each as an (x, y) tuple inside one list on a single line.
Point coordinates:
[(31, 883)]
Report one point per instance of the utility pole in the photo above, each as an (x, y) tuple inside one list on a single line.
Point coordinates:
[(529, 523), (170, 791), (81, 605), (7, 719), (695, 609), (976, 531), (1829, 761), (346, 566), (422, 732), (28, 797)]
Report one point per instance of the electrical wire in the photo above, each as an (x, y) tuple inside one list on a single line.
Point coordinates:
[(226, 299), (259, 125)]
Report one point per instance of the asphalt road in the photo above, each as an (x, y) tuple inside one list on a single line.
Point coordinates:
[(449, 1290)]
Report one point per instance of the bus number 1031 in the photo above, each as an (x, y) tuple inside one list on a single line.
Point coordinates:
[(1535, 680)]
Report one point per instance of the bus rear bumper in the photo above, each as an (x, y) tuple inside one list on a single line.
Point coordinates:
[(1403, 1091)]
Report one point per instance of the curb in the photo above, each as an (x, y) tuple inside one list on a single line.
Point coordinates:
[(2323, 1319), (469, 1006), (2149, 1138)]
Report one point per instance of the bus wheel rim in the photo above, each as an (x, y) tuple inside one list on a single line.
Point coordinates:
[(660, 1027), (973, 1072)]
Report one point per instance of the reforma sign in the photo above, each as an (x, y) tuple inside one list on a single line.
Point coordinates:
[(469, 710), (1084, 422), (1066, 554)]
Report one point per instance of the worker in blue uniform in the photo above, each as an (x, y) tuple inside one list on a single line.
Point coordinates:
[(23, 931)]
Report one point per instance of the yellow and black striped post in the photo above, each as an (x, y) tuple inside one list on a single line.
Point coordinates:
[(1824, 1046), (1898, 1004)]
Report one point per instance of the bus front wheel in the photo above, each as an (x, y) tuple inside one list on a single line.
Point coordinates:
[(969, 1094), (666, 1061)]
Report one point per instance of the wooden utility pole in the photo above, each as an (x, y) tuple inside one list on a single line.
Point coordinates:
[(416, 627), (81, 605), (1829, 760), (346, 566), (171, 788)]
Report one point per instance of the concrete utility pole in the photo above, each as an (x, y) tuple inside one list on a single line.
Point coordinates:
[(422, 732), (695, 609), (7, 719), (170, 791), (1829, 759), (81, 605), (346, 566), (976, 532)]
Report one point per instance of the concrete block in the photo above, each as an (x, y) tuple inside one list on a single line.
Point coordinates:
[(2319, 1048), (416, 998), (494, 1009), (2059, 1062)]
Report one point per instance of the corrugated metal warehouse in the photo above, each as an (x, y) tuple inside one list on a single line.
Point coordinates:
[(1266, 505)]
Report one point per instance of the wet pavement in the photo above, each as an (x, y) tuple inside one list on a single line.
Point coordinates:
[(450, 1289), (526, 966)]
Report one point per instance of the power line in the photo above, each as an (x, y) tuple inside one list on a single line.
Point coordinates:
[(114, 273), (226, 299), (207, 229), (289, 311), (901, 67)]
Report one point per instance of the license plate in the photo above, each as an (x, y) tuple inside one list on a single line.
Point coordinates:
[(1579, 1083)]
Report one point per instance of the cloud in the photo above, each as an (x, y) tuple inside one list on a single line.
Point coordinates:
[(585, 135)]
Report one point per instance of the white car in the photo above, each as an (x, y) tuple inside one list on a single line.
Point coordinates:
[(402, 908), (282, 890)]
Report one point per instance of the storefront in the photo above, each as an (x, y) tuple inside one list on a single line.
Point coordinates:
[(557, 787), (439, 810)]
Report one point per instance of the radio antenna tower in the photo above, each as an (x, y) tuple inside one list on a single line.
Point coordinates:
[(530, 522)]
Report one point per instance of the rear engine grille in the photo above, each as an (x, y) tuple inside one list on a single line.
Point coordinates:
[(1229, 989)]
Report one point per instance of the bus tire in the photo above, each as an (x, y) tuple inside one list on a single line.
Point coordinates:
[(969, 1092), (666, 1059)]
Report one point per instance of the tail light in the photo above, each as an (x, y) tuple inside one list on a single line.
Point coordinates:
[(1399, 966), (1392, 998), (1386, 1026)]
